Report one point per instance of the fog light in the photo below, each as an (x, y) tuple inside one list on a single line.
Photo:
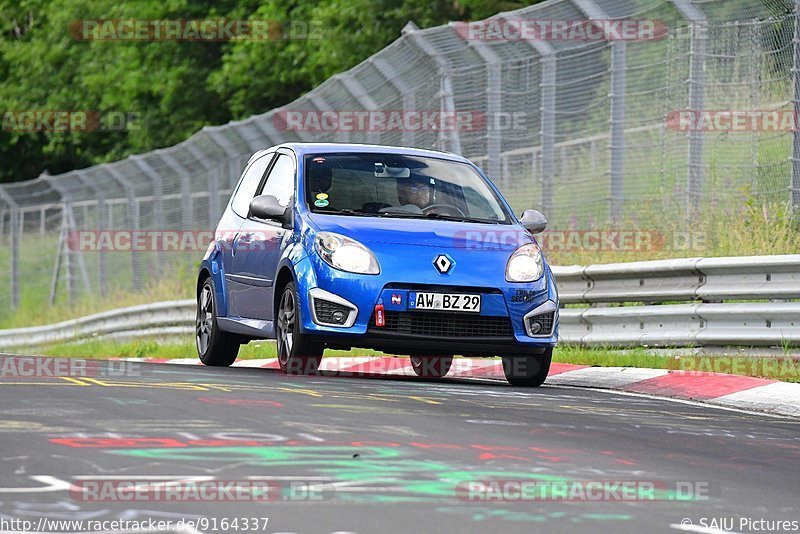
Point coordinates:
[(535, 327), (338, 317)]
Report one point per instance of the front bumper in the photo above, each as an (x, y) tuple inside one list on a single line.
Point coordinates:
[(502, 326)]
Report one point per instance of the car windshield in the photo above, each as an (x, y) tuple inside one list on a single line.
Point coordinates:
[(391, 185)]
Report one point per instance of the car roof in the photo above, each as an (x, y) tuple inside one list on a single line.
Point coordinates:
[(301, 149)]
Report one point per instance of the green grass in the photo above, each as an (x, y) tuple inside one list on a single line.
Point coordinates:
[(786, 369)]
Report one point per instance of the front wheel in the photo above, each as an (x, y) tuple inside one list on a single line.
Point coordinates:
[(297, 352), (527, 371), (214, 347), (431, 366)]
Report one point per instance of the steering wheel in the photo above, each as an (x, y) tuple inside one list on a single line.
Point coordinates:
[(454, 210)]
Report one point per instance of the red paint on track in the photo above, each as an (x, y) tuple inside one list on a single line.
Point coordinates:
[(694, 385)]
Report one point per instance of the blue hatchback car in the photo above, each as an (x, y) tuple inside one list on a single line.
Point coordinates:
[(408, 251)]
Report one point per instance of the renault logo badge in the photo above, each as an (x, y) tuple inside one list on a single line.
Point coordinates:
[(443, 263)]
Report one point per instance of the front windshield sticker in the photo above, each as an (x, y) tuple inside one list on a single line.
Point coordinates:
[(322, 196), (320, 203)]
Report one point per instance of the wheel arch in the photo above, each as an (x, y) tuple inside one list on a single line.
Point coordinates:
[(285, 275)]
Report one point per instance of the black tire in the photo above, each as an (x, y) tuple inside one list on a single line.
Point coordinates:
[(298, 354), (214, 347), (527, 371), (431, 366)]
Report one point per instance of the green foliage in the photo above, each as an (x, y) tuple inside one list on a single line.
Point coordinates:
[(176, 88)]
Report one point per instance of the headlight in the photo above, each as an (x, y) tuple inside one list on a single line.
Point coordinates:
[(345, 254), (525, 264)]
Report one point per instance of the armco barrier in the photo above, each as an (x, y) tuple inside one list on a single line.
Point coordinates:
[(665, 303)]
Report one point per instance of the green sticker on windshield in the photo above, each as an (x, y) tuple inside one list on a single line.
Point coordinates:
[(321, 203)]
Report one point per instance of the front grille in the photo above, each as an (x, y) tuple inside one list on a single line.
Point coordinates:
[(325, 310), (546, 320), (439, 324)]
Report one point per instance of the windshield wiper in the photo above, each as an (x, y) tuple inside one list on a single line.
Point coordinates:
[(346, 211), (462, 218)]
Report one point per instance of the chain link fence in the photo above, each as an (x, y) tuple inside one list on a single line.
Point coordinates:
[(586, 130)]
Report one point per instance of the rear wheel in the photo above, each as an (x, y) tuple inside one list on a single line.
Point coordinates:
[(431, 366), (527, 371), (297, 352), (214, 347)]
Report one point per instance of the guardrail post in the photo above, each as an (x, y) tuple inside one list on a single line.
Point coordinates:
[(795, 184)]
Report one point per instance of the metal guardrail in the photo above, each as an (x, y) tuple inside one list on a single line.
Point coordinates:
[(168, 319), (625, 305), (706, 321)]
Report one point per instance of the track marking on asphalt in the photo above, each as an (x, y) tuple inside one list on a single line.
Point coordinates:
[(304, 391), (701, 529), (74, 380), (423, 399), (685, 401)]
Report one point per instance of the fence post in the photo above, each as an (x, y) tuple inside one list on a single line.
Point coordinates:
[(617, 169), (185, 189), (446, 97), (697, 80), (158, 198), (15, 229), (494, 103), (133, 219), (354, 88), (548, 117), (795, 185), (617, 131), (696, 103), (402, 87), (214, 208), (547, 114)]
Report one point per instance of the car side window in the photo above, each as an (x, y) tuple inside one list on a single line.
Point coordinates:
[(280, 182), (248, 185)]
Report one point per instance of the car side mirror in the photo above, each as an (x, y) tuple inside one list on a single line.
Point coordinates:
[(533, 221), (268, 208)]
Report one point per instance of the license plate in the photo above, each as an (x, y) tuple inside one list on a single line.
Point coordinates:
[(456, 302)]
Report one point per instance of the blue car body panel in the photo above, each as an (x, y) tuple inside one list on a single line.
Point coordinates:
[(405, 250)]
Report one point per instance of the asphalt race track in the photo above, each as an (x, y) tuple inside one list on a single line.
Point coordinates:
[(359, 454)]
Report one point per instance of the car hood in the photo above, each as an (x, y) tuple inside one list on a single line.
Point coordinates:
[(424, 232)]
